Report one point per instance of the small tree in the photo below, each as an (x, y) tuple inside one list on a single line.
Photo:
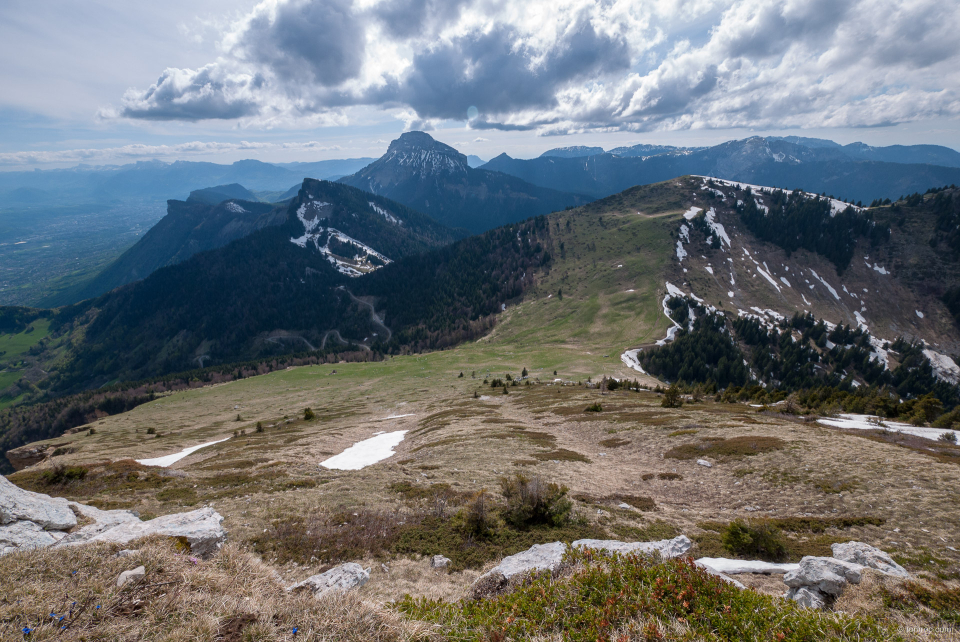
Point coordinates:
[(308, 414), (524, 374), (259, 427), (671, 398), (505, 391)]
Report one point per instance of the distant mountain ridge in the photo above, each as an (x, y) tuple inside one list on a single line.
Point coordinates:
[(854, 172), (436, 179)]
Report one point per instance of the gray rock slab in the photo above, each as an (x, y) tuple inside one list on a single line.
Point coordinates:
[(23, 536), (439, 561), (807, 598), (825, 574), (340, 578), (202, 529), (104, 520), (16, 504), (869, 557), (668, 548), (539, 557)]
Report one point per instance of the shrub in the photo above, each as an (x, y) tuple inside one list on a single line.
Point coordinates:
[(259, 427), (948, 437), (478, 516), (671, 398), (61, 475), (308, 414), (92, 431), (531, 501), (151, 430), (759, 539), (596, 407)]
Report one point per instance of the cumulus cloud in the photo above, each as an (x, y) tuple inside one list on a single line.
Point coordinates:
[(560, 66)]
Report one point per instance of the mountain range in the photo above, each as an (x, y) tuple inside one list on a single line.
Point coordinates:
[(854, 172), (436, 179)]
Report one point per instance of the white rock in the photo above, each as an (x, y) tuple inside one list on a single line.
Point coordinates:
[(704, 462), (824, 574), (24, 535), (806, 598), (202, 529), (737, 567), (339, 578), (128, 552), (130, 576), (668, 548), (439, 561), (49, 512), (868, 556)]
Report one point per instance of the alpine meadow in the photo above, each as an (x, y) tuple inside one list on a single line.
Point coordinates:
[(420, 321)]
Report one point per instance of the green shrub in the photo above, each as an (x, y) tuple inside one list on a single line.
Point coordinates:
[(259, 427), (532, 501), (596, 407), (61, 475), (308, 415), (634, 597), (151, 430), (671, 398), (758, 539)]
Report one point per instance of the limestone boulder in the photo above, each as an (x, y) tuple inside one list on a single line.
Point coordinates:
[(23, 536), (50, 513), (667, 548), (339, 578), (869, 557), (807, 598), (825, 574), (201, 529)]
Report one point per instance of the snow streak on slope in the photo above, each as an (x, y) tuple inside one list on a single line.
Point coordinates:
[(350, 256)]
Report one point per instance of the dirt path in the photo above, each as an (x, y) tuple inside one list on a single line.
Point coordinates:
[(377, 321)]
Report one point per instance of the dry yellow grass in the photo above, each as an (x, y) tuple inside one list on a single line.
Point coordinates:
[(232, 597)]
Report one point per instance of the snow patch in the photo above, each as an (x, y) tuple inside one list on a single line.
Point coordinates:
[(631, 359), (708, 269), (717, 228), (169, 460), (785, 282), (919, 313), (384, 213), (681, 253), (872, 422), (235, 208), (943, 366), (366, 453), (827, 285), (692, 212)]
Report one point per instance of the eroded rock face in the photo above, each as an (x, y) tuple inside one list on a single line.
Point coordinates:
[(16, 504), (339, 578), (807, 598), (869, 557)]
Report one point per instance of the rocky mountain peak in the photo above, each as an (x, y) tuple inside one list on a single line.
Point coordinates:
[(420, 151)]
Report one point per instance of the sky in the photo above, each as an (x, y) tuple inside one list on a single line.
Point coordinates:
[(112, 82)]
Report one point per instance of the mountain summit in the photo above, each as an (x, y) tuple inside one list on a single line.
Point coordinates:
[(436, 179)]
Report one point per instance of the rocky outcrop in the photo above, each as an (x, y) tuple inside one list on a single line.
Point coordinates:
[(738, 567), (869, 557), (667, 548), (339, 578), (818, 580), (33, 520), (47, 512), (549, 558), (439, 561), (201, 529)]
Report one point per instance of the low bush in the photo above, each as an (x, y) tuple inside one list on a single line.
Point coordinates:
[(671, 398), (941, 599), (595, 407), (614, 442), (754, 539), (531, 501), (308, 414), (633, 597), (62, 475)]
